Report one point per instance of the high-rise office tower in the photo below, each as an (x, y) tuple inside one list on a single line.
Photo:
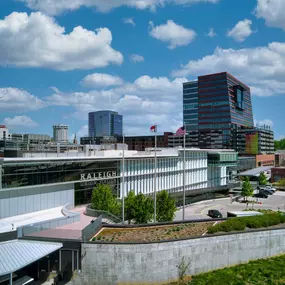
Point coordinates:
[(60, 133), (215, 107), (105, 123)]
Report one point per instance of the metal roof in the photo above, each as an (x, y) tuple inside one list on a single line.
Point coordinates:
[(16, 254), (255, 171)]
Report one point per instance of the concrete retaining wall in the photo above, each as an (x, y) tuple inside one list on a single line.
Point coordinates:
[(109, 264)]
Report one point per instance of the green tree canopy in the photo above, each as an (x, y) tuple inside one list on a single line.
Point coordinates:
[(247, 190), (279, 144), (130, 206), (143, 209), (262, 179), (165, 207), (103, 199)]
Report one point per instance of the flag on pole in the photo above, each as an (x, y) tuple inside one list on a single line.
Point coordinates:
[(181, 131), (153, 128)]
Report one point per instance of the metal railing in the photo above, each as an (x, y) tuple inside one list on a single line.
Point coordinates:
[(105, 215)]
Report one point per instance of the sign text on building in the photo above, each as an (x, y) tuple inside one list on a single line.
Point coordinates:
[(98, 175)]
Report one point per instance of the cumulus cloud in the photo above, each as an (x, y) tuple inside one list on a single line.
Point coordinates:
[(151, 99), (211, 33), (55, 7), (18, 100), (101, 80), (20, 121), (129, 21), (137, 58), (172, 33), (241, 30), (265, 122), (82, 132), (262, 68), (272, 11), (47, 45)]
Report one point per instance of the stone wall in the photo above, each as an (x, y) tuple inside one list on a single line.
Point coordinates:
[(155, 263)]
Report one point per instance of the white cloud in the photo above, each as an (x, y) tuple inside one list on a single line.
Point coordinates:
[(211, 33), (129, 21), (20, 121), (36, 40), (265, 122), (241, 30), (137, 58), (17, 100), (175, 35), (55, 7), (82, 132), (262, 68), (272, 11), (142, 103), (101, 80)]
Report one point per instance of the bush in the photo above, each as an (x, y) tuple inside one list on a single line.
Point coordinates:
[(254, 222)]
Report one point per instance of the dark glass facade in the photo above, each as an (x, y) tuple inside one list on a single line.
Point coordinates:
[(37, 173), (105, 123), (222, 104), (190, 111)]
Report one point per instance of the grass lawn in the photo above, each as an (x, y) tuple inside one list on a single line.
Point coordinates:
[(260, 272), (152, 234)]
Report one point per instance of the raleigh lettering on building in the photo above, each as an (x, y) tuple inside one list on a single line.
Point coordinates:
[(98, 175)]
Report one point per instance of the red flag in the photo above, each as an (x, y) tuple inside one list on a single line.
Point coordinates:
[(153, 128), (181, 131)]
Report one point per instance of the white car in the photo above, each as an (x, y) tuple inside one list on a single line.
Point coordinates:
[(270, 188)]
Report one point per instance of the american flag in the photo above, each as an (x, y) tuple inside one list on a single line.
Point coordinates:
[(181, 131)]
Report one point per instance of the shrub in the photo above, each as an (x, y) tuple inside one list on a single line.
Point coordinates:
[(254, 222)]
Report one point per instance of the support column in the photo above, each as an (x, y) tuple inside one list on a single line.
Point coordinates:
[(77, 255), (11, 278), (59, 268), (1, 173), (72, 260)]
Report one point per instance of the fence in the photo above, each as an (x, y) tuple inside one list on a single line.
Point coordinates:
[(91, 229), (105, 215)]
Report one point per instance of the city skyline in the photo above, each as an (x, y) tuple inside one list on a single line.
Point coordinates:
[(145, 53)]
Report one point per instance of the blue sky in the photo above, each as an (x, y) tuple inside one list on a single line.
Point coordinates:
[(61, 59)]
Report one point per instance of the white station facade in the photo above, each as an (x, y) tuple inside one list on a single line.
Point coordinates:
[(39, 183)]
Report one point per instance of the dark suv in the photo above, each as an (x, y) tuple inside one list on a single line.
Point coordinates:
[(214, 214), (261, 195)]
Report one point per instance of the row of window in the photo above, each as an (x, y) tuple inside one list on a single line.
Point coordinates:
[(205, 99), (190, 106), (213, 115), (209, 120), (212, 82), (222, 86), (214, 126), (218, 103)]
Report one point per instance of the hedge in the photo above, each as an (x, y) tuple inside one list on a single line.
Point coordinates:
[(254, 222)]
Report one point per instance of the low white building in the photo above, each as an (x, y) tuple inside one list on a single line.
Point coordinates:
[(37, 183)]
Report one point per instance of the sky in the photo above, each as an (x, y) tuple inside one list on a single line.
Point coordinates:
[(61, 59)]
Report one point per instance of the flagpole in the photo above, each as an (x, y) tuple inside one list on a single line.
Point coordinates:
[(184, 176), (123, 182), (155, 165)]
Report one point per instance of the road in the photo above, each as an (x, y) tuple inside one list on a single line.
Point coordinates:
[(199, 210)]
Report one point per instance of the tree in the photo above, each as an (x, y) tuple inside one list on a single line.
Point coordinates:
[(103, 199), (143, 209), (247, 190), (262, 179), (281, 182), (165, 207), (130, 206)]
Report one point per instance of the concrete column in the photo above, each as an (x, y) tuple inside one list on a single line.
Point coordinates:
[(59, 268), (1, 161), (77, 255), (72, 260), (11, 278)]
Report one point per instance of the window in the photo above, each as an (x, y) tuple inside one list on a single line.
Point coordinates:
[(239, 97)]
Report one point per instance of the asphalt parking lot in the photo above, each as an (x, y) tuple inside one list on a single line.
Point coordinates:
[(200, 210)]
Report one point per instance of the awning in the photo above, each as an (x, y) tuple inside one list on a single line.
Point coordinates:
[(16, 254)]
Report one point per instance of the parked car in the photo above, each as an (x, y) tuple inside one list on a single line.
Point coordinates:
[(270, 188), (215, 214), (260, 195), (266, 191)]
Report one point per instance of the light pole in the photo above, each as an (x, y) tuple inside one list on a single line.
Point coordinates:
[(123, 182)]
